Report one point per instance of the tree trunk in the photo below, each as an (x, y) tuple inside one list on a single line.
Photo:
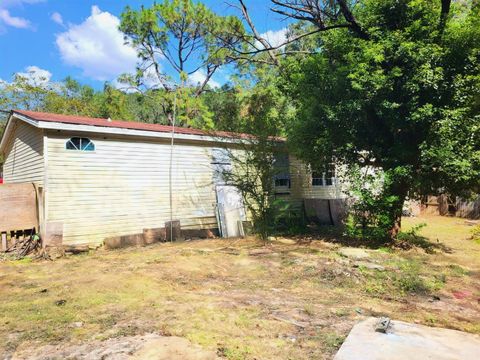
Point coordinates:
[(396, 227), (398, 189)]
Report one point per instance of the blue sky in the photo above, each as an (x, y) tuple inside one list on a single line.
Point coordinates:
[(56, 38)]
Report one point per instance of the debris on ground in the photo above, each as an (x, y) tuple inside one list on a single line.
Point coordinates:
[(382, 325), (286, 302), (25, 246)]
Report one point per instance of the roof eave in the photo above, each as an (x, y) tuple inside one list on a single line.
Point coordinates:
[(54, 125), (8, 127), (48, 125)]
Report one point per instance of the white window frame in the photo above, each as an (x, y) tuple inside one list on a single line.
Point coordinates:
[(324, 178), (82, 147)]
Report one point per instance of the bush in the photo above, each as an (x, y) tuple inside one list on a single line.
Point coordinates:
[(289, 220), (370, 213), (476, 234)]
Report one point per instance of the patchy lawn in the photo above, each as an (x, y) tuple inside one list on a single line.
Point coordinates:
[(288, 300)]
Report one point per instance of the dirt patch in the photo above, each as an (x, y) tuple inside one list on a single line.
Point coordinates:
[(148, 346), (236, 298)]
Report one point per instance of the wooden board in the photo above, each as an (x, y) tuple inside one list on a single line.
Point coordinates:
[(18, 207), (53, 233)]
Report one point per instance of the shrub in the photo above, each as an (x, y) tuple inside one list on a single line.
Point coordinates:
[(476, 234)]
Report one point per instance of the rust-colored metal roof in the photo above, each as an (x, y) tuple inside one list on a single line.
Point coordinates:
[(119, 124)]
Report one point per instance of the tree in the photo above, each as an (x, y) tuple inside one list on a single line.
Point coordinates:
[(403, 98), (180, 36), (70, 97), (26, 91), (253, 166), (225, 104)]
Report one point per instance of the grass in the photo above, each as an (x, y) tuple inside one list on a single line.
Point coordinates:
[(240, 298)]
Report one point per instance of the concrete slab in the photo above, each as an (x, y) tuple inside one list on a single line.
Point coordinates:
[(406, 341)]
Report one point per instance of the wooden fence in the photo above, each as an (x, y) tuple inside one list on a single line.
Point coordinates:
[(447, 206), (19, 215)]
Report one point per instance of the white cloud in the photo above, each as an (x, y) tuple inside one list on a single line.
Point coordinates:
[(199, 76), (274, 38), (97, 47), (14, 21), (57, 17), (36, 76)]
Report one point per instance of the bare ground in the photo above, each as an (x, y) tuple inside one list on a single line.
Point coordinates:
[(293, 299)]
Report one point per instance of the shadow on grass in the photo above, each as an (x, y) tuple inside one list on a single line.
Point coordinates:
[(335, 234), (407, 241)]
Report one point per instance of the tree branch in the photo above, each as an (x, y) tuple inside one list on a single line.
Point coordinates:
[(317, 13), (256, 33), (444, 12)]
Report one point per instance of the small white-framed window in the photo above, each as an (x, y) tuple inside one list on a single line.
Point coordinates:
[(80, 144), (324, 178)]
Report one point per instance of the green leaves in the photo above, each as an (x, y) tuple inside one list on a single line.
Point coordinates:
[(176, 39), (409, 97)]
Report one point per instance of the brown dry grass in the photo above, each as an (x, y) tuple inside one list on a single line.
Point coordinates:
[(238, 297)]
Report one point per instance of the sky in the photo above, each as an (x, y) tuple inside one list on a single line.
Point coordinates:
[(52, 39)]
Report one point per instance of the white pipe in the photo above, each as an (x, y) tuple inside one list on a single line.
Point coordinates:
[(171, 165)]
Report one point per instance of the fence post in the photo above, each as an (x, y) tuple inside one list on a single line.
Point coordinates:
[(4, 241)]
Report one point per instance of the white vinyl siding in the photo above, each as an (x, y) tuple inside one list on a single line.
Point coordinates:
[(24, 155), (302, 187), (123, 187)]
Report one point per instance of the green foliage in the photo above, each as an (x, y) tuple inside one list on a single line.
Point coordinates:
[(252, 174), (406, 279), (411, 233), (24, 92), (70, 97), (264, 110), (183, 36), (225, 104), (370, 216), (66, 97), (476, 234), (288, 219), (407, 98)]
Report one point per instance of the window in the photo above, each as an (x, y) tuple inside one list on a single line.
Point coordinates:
[(282, 171), (221, 164), (82, 144), (324, 178), (317, 178), (282, 182)]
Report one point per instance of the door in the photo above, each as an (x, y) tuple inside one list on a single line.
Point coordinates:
[(230, 207), (231, 210)]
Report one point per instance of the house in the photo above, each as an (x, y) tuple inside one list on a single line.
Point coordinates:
[(99, 178)]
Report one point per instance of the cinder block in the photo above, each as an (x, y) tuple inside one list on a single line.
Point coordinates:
[(118, 242), (151, 236)]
